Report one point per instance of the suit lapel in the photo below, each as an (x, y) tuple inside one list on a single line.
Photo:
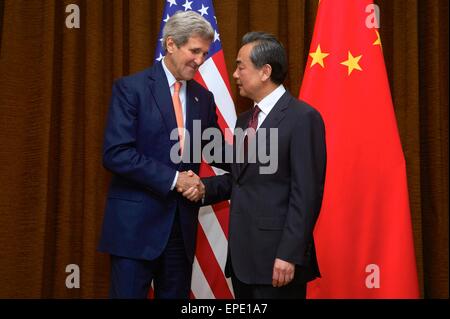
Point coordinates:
[(160, 90), (277, 113), (271, 121), (241, 123), (192, 107)]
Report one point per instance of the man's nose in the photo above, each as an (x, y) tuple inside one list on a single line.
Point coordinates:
[(199, 60)]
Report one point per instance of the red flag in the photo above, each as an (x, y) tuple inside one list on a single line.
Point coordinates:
[(363, 234)]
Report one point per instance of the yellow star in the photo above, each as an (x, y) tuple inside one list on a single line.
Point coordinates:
[(378, 40), (318, 57), (352, 63)]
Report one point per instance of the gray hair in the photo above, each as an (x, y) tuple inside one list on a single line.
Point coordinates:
[(268, 50), (185, 24)]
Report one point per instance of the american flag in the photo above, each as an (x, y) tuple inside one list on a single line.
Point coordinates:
[(208, 279)]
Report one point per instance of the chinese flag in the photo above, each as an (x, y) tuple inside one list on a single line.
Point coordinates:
[(363, 235)]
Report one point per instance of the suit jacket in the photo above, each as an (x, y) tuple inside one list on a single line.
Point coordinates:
[(273, 215), (140, 207)]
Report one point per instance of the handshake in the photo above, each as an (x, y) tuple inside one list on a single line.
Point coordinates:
[(189, 184)]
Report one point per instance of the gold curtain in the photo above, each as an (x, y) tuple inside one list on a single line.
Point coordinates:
[(55, 84)]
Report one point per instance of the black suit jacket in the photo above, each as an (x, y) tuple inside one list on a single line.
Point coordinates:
[(273, 215)]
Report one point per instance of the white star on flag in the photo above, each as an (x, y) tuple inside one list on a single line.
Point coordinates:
[(216, 36), (203, 10), (172, 2), (187, 5)]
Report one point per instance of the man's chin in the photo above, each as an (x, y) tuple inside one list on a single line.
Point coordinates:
[(190, 76), (242, 92)]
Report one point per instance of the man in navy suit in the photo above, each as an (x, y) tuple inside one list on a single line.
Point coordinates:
[(149, 229), (271, 251)]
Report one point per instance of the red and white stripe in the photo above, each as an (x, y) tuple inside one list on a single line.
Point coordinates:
[(208, 279)]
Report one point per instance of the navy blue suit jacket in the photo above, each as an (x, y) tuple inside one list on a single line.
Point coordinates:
[(140, 207)]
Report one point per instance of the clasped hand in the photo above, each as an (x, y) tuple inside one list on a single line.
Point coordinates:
[(190, 185)]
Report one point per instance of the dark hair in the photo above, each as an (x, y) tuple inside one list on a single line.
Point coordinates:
[(268, 50)]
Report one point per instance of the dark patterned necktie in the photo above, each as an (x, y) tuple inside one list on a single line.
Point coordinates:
[(253, 124)]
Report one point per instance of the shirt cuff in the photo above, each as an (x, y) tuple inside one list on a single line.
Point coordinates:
[(174, 181)]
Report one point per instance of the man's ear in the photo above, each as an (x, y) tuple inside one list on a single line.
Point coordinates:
[(170, 44), (266, 72)]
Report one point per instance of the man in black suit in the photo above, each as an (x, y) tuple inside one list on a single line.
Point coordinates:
[(271, 251)]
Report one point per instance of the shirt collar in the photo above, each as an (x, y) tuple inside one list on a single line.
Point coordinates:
[(170, 78), (268, 102)]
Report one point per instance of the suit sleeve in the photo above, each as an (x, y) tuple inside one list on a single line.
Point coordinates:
[(120, 155), (221, 149), (217, 188), (308, 163)]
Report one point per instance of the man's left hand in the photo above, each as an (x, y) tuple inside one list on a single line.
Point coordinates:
[(283, 273)]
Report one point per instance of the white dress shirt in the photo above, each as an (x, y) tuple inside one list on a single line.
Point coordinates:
[(268, 102)]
